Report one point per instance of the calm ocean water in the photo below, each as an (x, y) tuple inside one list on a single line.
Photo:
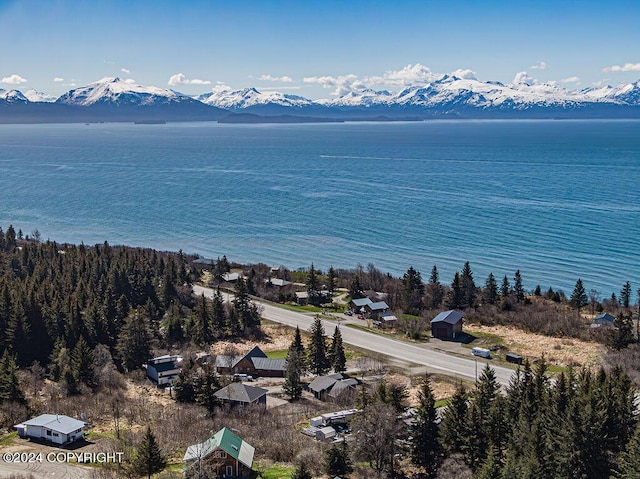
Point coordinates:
[(557, 199)]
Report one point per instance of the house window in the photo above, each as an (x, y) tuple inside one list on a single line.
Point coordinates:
[(220, 454), (48, 432), (229, 471), (55, 434)]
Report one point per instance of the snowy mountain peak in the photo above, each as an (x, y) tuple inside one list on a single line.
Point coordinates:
[(13, 96), (117, 91), (251, 97), (37, 96)]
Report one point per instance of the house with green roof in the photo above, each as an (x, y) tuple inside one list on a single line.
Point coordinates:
[(222, 455)]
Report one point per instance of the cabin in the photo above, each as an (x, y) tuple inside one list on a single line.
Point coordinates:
[(53, 428), (280, 283), (447, 325), (222, 455), (238, 394), (603, 320), (387, 319), (254, 363), (357, 305), (331, 386), (163, 370), (374, 310)]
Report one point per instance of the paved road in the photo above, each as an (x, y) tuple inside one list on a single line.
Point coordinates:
[(421, 354)]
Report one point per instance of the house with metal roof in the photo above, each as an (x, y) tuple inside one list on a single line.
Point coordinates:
[(447, 324), (238, 394), (163, 370), (222, 455), (255, 363), (331, 386), (603, 320), (54, 428), (357, 304)]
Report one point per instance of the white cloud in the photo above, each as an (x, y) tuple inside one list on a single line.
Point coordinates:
[(58, 79), (279, 88), (70, 84), (220, 87), (627, 67), (283, 79), (125, 70), (181, 79), (523, 78), (409, 75), (343, 84), (540, 65), (601, 83), (130, 81), (571, 80), (465, 74), (13, 80)]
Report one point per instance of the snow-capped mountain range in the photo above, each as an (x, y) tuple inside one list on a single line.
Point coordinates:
[(114, 99)]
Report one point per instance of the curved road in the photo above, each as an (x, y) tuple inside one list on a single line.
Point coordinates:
[(421, 354)]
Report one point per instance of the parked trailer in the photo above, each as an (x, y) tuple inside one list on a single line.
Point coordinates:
[(482, 352), (513, 358)]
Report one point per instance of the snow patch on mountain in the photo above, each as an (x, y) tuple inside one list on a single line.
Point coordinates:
[(37, 96)]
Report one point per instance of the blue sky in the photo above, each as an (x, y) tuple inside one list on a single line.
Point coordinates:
[(314, 49)]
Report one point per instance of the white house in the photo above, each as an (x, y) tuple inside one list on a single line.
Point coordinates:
[(55, 428), (163, 370)]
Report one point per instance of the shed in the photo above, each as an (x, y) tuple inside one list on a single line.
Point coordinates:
[(513, 358), (447, 324), (325, 433), (54, 428)]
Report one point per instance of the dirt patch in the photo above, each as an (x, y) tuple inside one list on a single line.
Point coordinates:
[(276, 338), (556, 351)]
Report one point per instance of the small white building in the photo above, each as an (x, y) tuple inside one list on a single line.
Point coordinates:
[(325, 433), (55, 428), (163, 370)]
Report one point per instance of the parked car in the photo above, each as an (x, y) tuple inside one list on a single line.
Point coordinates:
[(361, 316), (348, 312), (242, 377)]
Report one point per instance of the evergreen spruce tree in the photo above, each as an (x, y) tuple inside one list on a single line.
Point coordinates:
[(313, 286), (362, 399), (518, 289), (292, 383), (579, 296), (491, 289), (298, 346), (82, 363), (337, 356), (201, 330), (625, 295), (454, 421), (628, 465), (218, 314), (412, 291), (505, 287), (491, 468), (318, 361), (148, 458), (355, 290), (331, 281), (468, 286), (426, 447), (455, 298), (134, 341), (301, 472), (337, 461), (10, 390), (434, 289)]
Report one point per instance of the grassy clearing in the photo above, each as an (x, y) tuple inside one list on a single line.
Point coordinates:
[(278, 354), (8, 439), (278, 471), (300, 309)]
